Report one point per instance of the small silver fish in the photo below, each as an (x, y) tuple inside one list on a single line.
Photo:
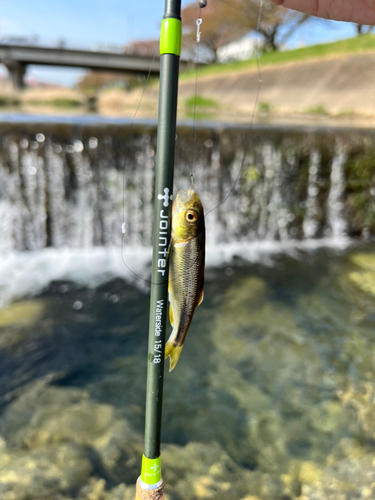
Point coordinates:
[(186, 269)]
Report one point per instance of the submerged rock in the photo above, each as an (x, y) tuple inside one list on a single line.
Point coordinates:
[(96, 489), (14, 317), (364, 278), (21, 313), (359, 400), (44, 472), (198, 471), (345, 480), (45, 424)]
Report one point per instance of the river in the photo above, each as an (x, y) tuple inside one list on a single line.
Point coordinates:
[(273, 397)]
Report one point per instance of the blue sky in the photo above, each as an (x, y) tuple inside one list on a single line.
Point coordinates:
[(111, 22)]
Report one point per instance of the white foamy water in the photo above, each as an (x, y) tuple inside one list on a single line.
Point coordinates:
[(335, 214), (28, 273), (310, 222)]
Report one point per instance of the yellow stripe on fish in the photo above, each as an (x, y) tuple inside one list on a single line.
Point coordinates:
[(186, 269)]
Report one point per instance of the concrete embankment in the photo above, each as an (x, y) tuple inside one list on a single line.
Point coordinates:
[(339, 87)]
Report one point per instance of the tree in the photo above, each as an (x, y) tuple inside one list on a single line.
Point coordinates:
[(217, 28), (362, 29), (228, 20), (276, 23)]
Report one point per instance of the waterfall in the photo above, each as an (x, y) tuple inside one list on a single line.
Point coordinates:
[(75, 187), (310, 222), (335, 212)]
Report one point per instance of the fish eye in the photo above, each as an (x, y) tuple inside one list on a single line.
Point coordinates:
[(190, 216)]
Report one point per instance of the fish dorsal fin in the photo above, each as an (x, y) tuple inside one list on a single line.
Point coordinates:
[(171, 314), (201, 297)]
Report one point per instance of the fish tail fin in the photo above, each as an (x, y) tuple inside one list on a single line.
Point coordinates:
[(173, 352)]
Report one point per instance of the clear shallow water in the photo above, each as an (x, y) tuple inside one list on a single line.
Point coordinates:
[(273, 396)]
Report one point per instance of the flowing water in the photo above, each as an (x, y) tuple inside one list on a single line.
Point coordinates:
[(62, 185), (273, 397)]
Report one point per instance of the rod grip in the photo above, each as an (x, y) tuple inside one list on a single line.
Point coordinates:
[(146, 492)]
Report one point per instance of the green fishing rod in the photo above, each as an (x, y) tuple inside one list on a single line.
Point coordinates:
[(150, 484)]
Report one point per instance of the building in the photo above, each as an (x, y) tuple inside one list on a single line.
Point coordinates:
[(240, 50)]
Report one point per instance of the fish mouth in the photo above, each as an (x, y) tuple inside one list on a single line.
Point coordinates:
[(185, 196)]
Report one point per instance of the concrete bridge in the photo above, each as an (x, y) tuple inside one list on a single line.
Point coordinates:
[(16, 58)]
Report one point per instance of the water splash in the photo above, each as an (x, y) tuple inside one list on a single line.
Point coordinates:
[(336, 221), (310, 222)]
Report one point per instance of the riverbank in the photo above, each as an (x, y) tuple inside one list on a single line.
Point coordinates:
[(335, 90), (330, 84)]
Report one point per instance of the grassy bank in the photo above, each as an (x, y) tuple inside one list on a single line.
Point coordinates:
[(60, 102), (351, 45)]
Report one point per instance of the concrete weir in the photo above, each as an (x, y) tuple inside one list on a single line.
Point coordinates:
[(68, 185)]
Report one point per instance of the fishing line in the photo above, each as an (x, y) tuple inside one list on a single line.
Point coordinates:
[(199, 22), (123, 225), (202, 3), (253, 113)]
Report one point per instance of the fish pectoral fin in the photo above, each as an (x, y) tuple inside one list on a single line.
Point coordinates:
[(173, 352), (201, 297), (170, 314)]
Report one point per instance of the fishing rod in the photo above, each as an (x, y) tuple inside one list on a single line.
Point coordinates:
[(202, 4), (150, 484)]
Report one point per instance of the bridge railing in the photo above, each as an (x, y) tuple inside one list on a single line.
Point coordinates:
[(60, 43)]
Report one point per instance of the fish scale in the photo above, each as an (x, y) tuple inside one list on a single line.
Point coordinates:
[(186, 268), (188, 285)]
